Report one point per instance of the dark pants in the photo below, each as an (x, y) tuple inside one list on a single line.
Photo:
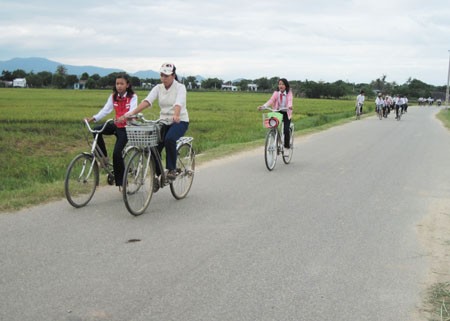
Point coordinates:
[(121, 141), (287, 125), (173, 132), (398, 109)]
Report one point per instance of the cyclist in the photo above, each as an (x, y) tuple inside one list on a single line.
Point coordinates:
[(281, 101), (379, 102), (171, 96), (388, 104), (399, 102), (122, 100), (360, 101)]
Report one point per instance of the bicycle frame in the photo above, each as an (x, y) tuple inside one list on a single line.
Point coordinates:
[(82, 175), (275, 139), (145, 173)]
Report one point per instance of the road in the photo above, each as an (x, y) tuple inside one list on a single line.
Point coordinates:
[(331, 236)]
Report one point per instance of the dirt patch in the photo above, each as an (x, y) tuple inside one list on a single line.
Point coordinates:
[(433, 232)]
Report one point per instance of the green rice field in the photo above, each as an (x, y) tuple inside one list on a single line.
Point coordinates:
[(41, 131)]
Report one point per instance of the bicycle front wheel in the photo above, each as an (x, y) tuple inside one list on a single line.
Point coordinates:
[(270, 150), (82, 178), (138, 179), (181, 186), (287, 153)]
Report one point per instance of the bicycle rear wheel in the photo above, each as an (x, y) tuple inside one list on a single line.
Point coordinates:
[(82, 178), (270, 149), (138, 179), (287, 153), (185, 171)]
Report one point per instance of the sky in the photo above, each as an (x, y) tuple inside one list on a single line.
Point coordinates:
[(351, 40)]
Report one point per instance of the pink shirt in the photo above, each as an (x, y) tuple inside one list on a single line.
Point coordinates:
[(275, 102)]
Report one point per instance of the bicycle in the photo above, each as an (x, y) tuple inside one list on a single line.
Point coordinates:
[(82, 175), (274, 144), (140, 180), (380, 109), (399, 112), (358, 111)]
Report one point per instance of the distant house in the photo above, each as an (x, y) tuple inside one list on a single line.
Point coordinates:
[(80, 85), (252, 87), (20, 83), (229, 87), (146, 85)]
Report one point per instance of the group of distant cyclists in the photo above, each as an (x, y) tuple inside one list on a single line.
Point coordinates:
[(385, 104), (428, 101)]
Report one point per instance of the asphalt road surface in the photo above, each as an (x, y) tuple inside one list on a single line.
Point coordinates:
[(331, 236)]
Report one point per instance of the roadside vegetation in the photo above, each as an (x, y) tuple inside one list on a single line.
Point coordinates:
[(438, 295), (42, 130)]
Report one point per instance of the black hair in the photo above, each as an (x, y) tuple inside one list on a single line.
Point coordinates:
[(130, 91), (174, 73), (286, 83)]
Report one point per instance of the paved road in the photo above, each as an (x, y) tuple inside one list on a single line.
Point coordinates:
[(332, 236)]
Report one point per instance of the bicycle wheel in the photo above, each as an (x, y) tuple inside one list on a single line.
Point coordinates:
[(185, 171), (138, 179), (82, 178), (270, 150), (287, 153)]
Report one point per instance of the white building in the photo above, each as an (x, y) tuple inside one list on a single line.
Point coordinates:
[(229, 87), (20, 82), (252, 87)]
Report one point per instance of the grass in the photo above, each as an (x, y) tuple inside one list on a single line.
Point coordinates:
[(41, 131), (438, 298)]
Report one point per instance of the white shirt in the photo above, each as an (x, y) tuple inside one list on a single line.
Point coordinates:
[(109, 107), (360, 99), (168, 99), (379, 101)]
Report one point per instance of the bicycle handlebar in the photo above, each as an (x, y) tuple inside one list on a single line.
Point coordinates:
[(141, 117), (97, 131), (270, 109)]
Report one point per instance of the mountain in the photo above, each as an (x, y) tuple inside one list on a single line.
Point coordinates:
[(144, 74), (36, 65)]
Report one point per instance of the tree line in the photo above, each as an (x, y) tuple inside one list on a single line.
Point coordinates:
[(412, 88)]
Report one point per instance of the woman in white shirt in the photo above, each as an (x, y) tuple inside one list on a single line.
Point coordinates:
[(171, 96), (360, 101)]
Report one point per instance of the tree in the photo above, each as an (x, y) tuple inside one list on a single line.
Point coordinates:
[(34, 81), (84, 76), (263, 84), (19, 73), (191, 82), (46, 78), (71, 80), (61, 70), (7, 76), (59, 81), (135, 81), (91, 83), (243, 84), (212, 83)]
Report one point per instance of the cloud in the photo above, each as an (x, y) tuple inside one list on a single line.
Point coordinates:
[(350, 40)]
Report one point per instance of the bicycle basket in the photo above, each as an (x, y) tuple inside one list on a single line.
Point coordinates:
[(142, 136), (272, 119)]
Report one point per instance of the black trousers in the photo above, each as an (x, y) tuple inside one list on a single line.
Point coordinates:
[(121, 141), (287, 125)]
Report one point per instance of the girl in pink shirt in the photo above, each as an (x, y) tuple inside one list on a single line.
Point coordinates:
[(281, 101)]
